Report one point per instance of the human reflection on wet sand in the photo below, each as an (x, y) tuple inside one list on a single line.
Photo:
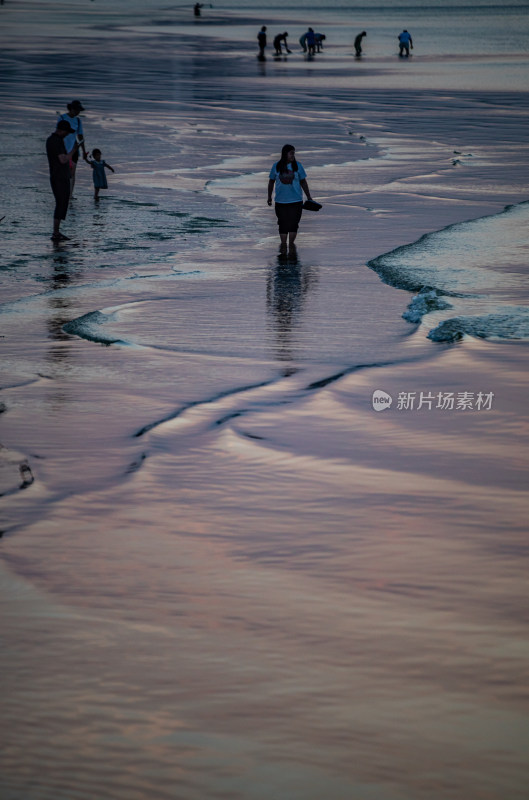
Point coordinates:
[(59, 353), (288, 284), (59, 279)]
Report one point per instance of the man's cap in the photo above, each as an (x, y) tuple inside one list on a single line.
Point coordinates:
[(76, 104), (64, 125)]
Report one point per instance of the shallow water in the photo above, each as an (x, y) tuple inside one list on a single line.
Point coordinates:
[(224, 574)]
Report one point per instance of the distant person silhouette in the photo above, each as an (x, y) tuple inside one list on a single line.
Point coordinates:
[(196, 9), (281, 37), (358, 43), (261, 40), (318, 40), (310, 40), (405, 43), (303, 42)]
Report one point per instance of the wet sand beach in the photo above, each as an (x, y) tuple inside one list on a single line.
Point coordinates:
[(225, 572)]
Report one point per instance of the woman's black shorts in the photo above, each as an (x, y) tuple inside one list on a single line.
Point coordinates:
[(288, 216)]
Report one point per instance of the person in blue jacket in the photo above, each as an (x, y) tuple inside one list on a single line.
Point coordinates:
[(405, 43)]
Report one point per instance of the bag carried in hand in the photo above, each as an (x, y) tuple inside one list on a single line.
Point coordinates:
[(312, 205)]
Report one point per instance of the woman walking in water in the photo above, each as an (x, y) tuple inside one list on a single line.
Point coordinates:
[(289, 179)]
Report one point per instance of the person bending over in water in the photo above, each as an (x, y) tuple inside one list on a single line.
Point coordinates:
[(281, 37), (98, 171), (358, 43), (405, 43), (290, 181), (319, 38)]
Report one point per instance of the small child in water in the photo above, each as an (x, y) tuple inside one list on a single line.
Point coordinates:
[(98, 171)]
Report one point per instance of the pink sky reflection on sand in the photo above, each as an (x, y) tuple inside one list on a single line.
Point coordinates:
[(236, 596)]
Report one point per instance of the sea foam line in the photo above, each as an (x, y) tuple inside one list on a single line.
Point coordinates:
[(458, 261)]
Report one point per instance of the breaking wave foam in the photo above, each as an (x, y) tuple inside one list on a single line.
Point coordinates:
[(90, 327), (477, 268)]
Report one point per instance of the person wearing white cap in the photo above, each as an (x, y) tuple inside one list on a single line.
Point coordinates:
[(73, 118)]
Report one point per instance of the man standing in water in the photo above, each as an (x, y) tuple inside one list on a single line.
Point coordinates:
[(58, 160), (261, 39), (358, 43), (405, 43), (310, 41)]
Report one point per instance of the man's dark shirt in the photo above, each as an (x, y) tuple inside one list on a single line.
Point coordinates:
[(59, 173), (261, 38)]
